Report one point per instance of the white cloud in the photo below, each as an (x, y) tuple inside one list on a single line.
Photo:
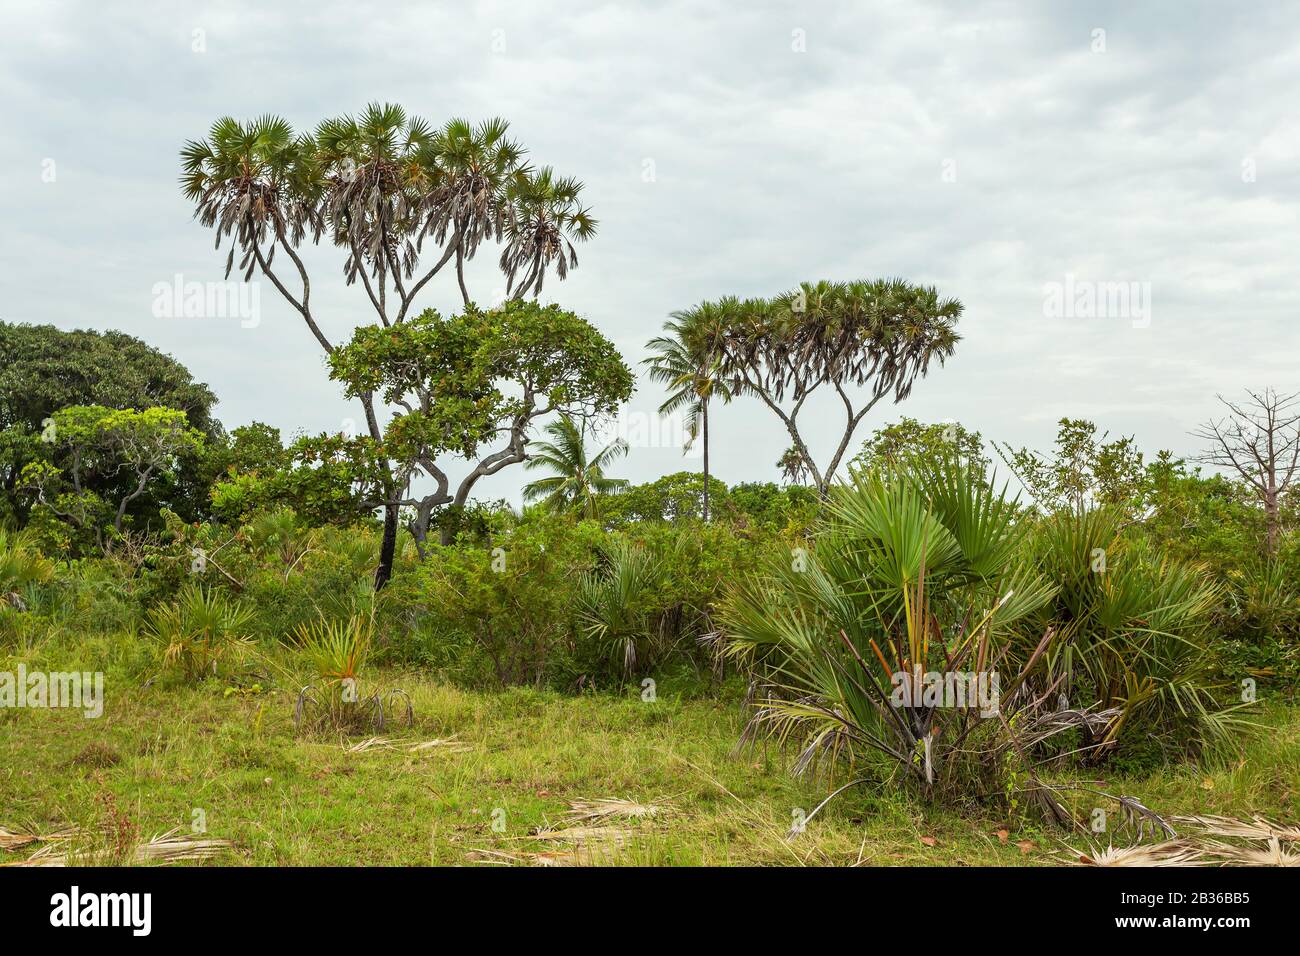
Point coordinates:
[(771, 166)]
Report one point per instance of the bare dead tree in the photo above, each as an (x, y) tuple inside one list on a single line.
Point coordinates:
[(1260, 441)]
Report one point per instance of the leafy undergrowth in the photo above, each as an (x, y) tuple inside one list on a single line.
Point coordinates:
[(525, 777)]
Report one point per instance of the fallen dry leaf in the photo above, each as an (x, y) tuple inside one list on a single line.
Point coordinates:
[(929, 841)]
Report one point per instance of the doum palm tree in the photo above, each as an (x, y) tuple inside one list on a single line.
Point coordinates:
[(578, 483), (687, 362)]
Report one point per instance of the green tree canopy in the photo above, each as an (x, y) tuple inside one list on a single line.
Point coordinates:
[(1083, 470), (909, 442), (400, 199), (470, 386), (104, 459), (44, 369)]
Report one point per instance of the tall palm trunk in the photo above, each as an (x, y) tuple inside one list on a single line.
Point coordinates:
[(705, 413)]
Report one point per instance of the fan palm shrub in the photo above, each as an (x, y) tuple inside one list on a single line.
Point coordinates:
[(280, 533), (198, 630), (1134, 634), (21, 565), (617, 607), (895, 637)]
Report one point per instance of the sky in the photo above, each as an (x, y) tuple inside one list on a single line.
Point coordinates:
[(1110, 189)]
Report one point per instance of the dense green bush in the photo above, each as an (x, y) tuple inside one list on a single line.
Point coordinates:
[(913, 575), (1133, 633)]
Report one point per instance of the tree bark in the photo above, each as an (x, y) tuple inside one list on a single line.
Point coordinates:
[(705, 413), (388, 543), (387, 547), (1272, 521)]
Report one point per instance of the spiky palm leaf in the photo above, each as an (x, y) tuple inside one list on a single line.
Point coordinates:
[(902, 582), (546, 218), (578, 483)]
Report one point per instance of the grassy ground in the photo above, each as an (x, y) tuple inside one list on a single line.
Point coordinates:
[(516, 762)]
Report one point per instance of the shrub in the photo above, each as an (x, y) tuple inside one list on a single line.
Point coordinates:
[(1133, 634), (197, 630), (21, 565), (338, 651), (913, 575), (501, 613)]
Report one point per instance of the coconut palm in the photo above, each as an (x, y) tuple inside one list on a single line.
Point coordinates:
[(687, 361), (545, 219), (578, 482)]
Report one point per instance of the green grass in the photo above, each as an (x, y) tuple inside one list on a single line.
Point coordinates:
[(159, 753)]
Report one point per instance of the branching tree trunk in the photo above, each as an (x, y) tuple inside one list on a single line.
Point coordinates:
[(378, 186), (881, 335)]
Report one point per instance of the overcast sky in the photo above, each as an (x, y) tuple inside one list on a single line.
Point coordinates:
[(1016, 155)]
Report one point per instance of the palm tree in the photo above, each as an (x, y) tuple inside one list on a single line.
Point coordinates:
[(578, 483), (687, 361), (478, 164), (255, 183), (544, 220), (915, 573)]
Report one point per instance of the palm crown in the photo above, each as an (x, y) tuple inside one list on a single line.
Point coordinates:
[(687, 362), (246, 179), (546, 218), (578, 482)]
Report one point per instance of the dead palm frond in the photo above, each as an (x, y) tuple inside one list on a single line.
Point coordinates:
[(608, 808), (575, 856), (1257, 828), (450, 744), (1169, 853), (1271, 854), (584, 835), (11, 840), (165, 848)]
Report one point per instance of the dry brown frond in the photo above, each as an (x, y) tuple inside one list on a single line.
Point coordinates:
[(611, 807), (1270, 855), (10, 840), (581, 854), (1257, 828), (450, 744), (585, 835), (164, 848), (1169, 853)]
